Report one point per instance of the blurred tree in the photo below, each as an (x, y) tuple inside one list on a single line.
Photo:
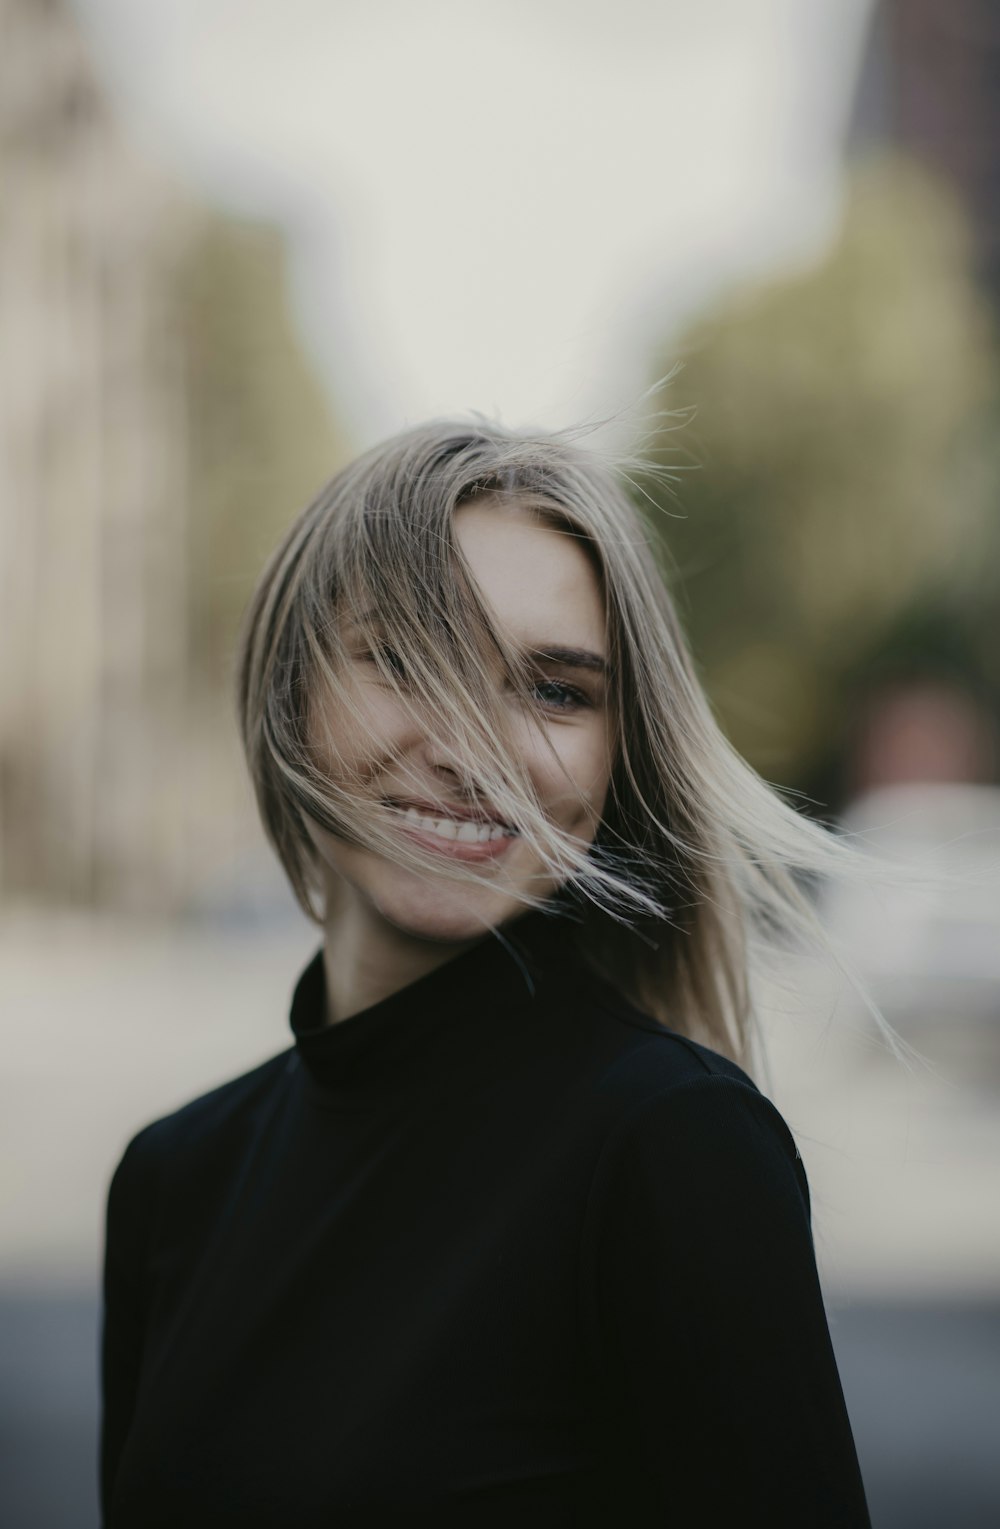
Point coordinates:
[(260, 437), (846, 468)]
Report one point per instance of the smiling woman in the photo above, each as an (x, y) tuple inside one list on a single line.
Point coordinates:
[(508, 1235), (526, 571)]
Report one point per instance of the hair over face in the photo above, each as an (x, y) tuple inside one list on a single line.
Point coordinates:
[(689, 883)]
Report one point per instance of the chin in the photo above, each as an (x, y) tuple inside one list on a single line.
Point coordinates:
[(439, 926), (420, 907), (450, 917)]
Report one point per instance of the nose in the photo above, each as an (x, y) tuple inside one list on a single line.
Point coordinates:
[(442, 763)]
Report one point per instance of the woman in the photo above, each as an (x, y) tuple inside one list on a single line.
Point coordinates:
[(508, 1236)]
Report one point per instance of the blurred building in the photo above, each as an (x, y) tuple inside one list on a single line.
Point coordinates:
[(923, 730), (127, 431), (929, 87)]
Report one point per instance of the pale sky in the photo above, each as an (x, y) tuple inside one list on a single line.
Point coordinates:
[(498, 204)]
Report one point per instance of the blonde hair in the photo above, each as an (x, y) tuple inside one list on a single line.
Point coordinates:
[(693, 879)]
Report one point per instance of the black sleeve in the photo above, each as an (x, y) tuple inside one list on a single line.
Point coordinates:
[(710, 1317), (129, 1210)]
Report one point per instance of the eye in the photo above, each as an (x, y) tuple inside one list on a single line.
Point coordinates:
[(393, 660), (559, 696), (389, 657)]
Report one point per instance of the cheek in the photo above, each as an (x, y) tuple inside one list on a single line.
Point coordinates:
[(354, 738), (574, 781)]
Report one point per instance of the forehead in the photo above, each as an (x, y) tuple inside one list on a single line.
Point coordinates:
[(538, 578)]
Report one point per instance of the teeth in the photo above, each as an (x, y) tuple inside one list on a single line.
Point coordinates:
[(465, 831)]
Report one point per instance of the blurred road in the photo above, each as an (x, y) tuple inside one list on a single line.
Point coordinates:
[(105, 1026)]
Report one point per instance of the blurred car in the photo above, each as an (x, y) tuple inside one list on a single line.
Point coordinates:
[(927, 952)]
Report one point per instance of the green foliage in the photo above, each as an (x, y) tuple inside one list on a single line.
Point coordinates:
[(847, 467), (261, 440)]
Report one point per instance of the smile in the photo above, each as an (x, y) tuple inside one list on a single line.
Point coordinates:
[(462, 830), (461, 837)]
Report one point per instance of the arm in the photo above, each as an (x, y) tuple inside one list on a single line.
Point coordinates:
[(710, 1316), (126, 1240)]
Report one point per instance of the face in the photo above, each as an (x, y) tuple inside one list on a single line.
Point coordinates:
[(545, 595)]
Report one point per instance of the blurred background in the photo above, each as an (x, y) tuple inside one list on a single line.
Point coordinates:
[(240, 242)]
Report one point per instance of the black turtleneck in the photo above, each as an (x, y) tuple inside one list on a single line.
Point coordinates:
[(497, 1251)]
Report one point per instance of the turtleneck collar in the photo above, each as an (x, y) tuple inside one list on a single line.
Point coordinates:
[(436, 1021)]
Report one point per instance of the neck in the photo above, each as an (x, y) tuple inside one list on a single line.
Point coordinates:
[(367, 959)]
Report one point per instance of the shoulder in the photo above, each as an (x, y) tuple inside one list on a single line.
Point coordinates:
[(230, 1106), (667, 1095), (695, 1161), (643, 1058)]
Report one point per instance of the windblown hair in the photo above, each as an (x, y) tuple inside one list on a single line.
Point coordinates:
[(694, 877)]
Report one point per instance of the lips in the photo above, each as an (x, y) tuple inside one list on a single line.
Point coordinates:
[(440, 810), (468, 839)]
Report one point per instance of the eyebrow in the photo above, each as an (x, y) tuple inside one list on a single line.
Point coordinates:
[(547, 653), (569, 658)]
